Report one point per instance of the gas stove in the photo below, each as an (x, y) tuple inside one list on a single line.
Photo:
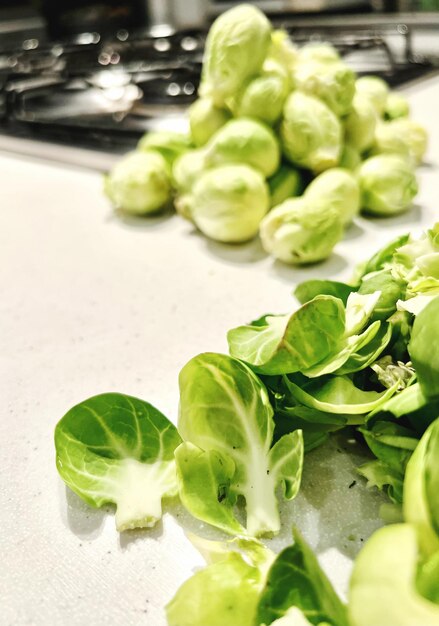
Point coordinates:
[(88, 99)]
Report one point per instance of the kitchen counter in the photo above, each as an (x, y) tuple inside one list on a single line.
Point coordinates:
[(92, 302)]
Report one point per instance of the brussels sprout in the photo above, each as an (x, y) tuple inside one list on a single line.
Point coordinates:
[(360, 124), (387, 184), (310, 133), (334, 83), (321, 52), (295, 232), (335, 188), (228, 202), (263, 98), (350, 158), (396, 106), (139, 183), (244, 141), (376, 89), (286, 183), (236, 47), (403, 137), (169, 144), (187, 169), (205, 119)]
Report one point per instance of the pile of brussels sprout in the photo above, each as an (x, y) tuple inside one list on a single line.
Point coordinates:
[(283, 141)]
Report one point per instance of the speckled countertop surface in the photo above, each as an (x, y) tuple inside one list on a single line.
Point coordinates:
[(92, 303)]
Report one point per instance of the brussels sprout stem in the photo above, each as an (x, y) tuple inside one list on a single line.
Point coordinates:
[(261, 502), (140, 488)]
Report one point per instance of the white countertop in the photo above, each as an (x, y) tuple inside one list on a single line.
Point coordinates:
[(92, 303)]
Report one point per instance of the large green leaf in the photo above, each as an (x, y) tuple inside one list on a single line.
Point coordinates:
[(284, 344), (309, 289), (224, 408), (296, 580), (383, 584), (119, 449)]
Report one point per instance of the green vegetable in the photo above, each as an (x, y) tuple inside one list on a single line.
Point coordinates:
[(187, 169), (285, 183), (383, 588), (388, 185), (227, 424), (335, 188), (227, 590), (393, 446), (282, 344), (298, 232), (424, 348), (397, 106), (401, 136), (245, 141), (228, 203), (119, 449), (139, 183), (236, 47), (350, 158), (263, 98), (336, 394), (205, 119), (361, 123), (169, 144), (307, 290), (376, 90), (421, 489), (310, 132), (331, 82), (296, 580)]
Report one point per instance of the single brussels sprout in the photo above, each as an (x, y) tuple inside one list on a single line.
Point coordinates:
[(245, 141), (334, 83), (350, 158), (396, 106), (228, 202), (296, 233), (387, 184), (285, 183), (205, 119), (321, 52), (311, 133), (376, 89), (236, 47), (187, 169), (263, 98), (139, 183), (170, 144), (336, 188), (402, 136), (361, 123)]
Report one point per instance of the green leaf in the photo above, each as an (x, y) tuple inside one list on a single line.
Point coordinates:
[(368, 354), (225, 408), (227, 590), (384, 478), (384, 256), (204, 481), (424, 348), (309, 289), (391, 290), (335, 394), (285, 344), (383, 584), (296, 580), (118, 449), (421, 489)]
